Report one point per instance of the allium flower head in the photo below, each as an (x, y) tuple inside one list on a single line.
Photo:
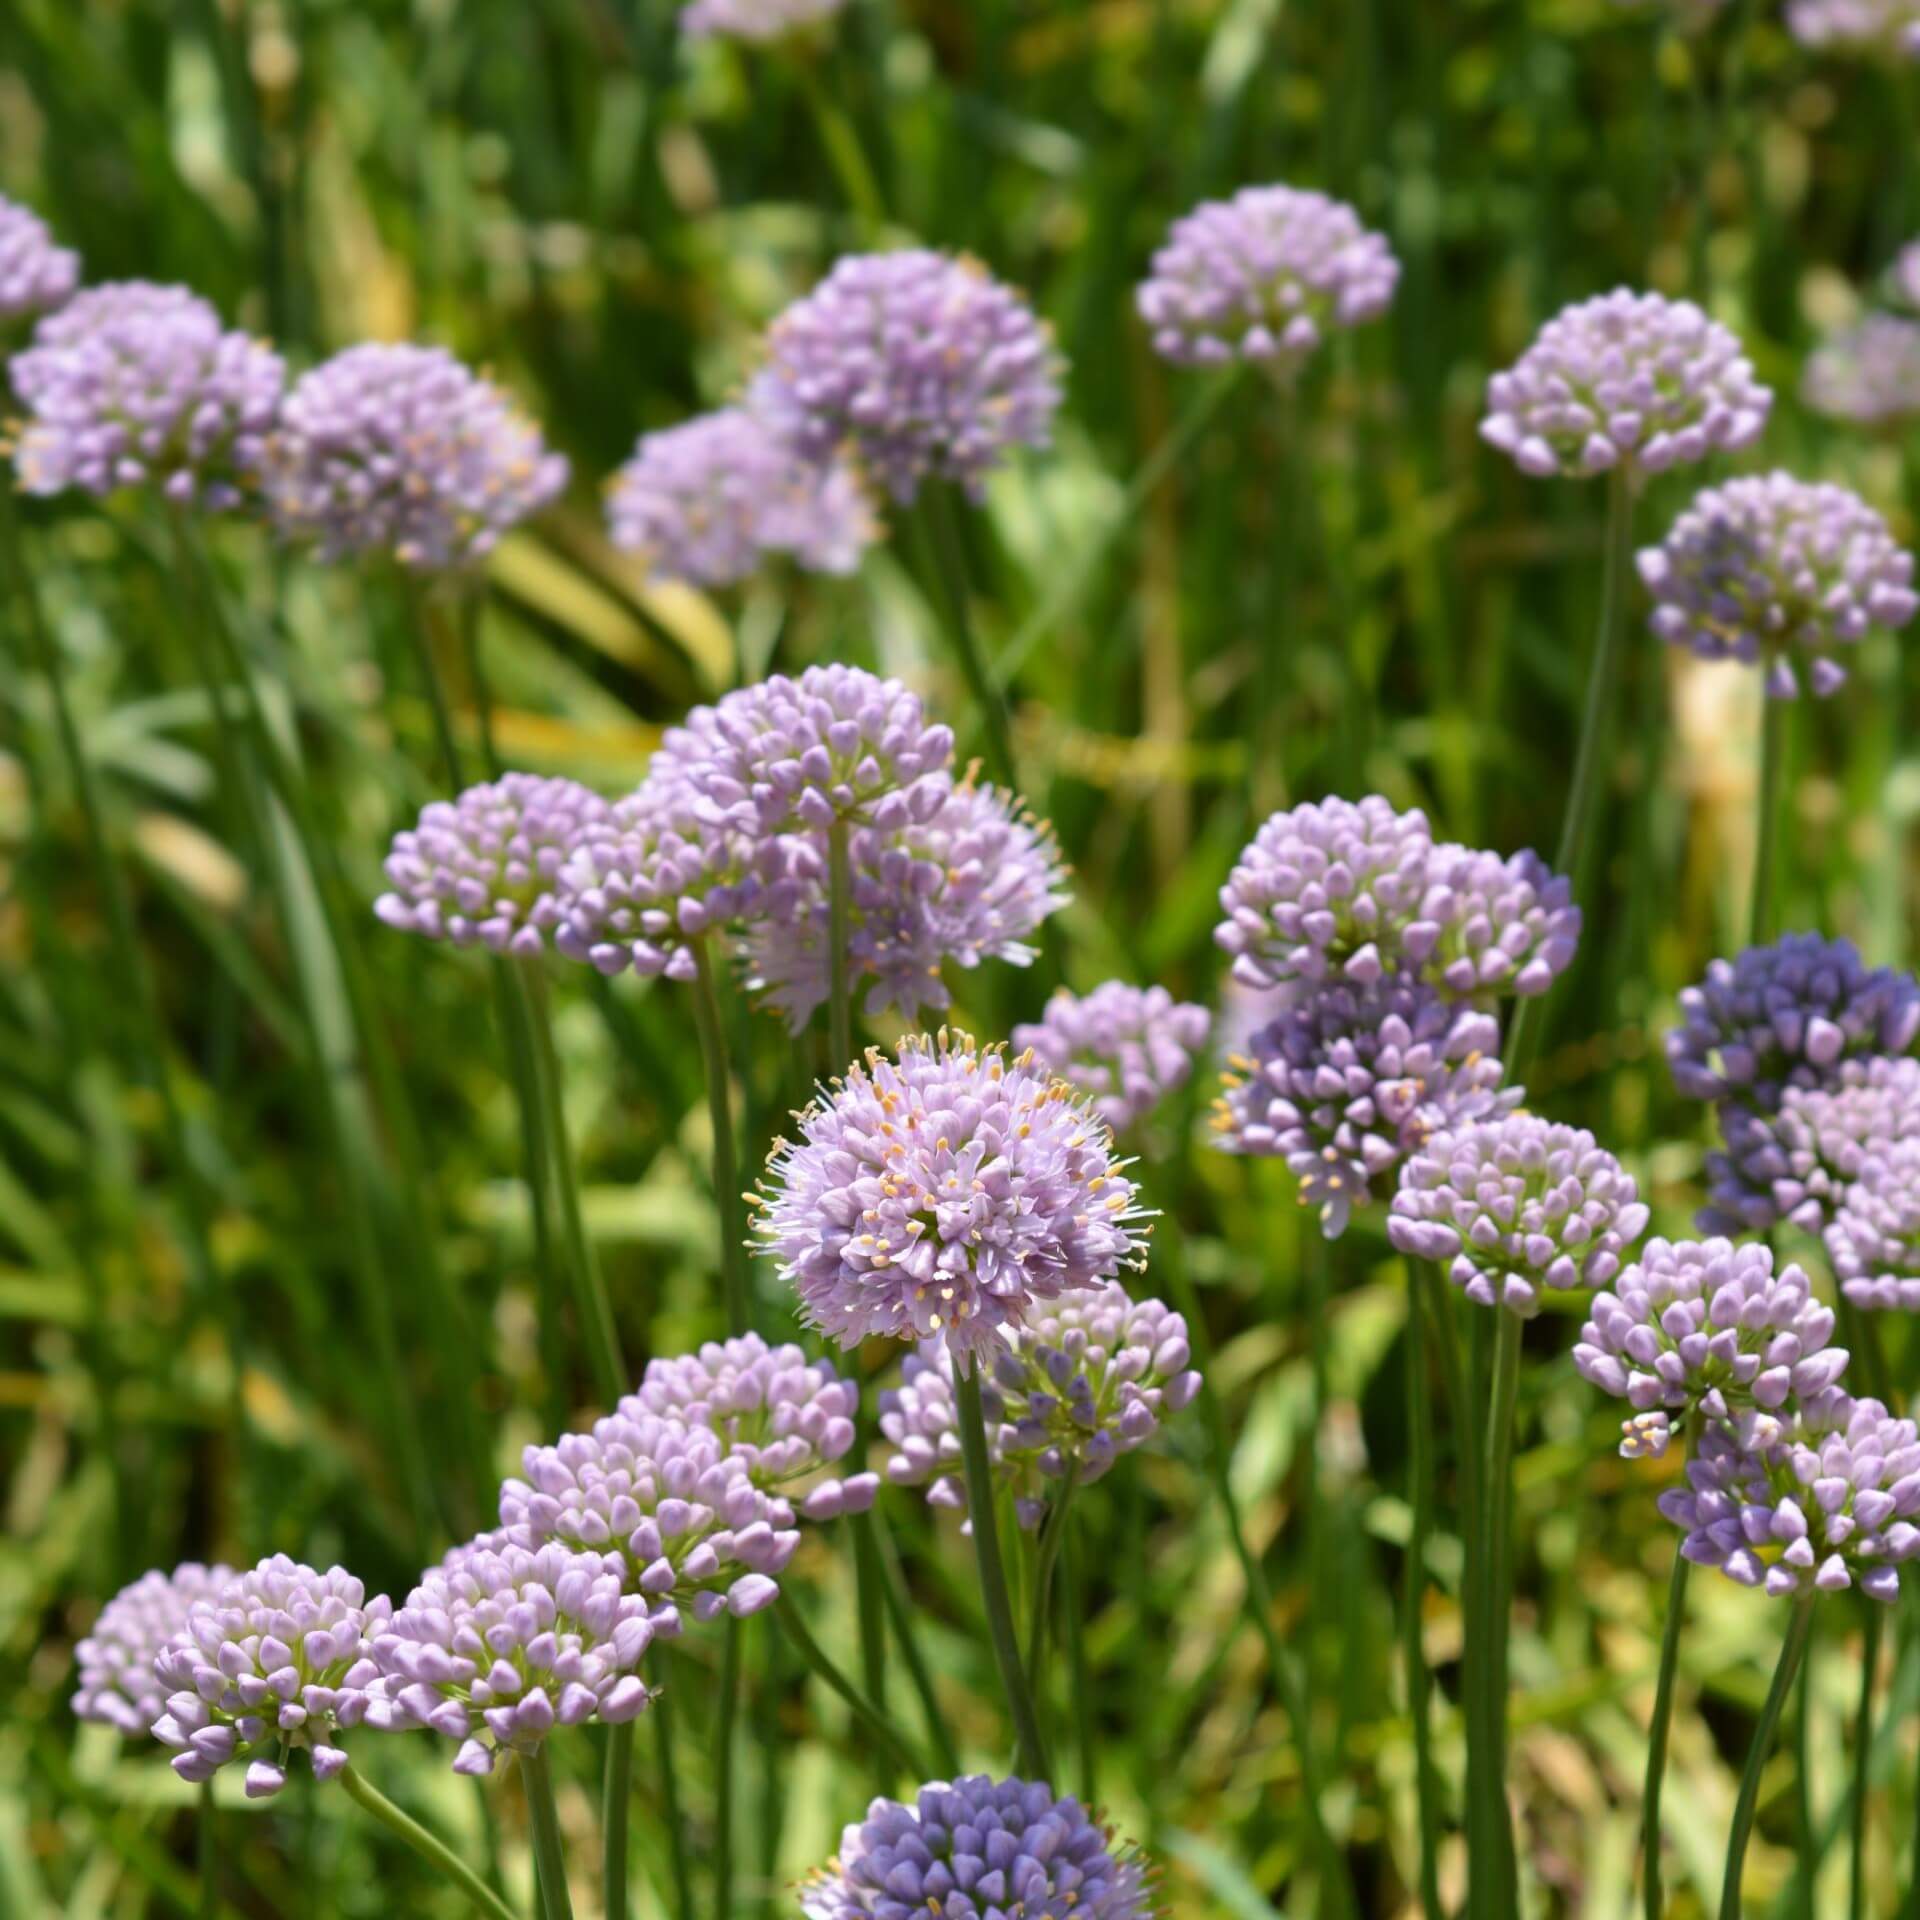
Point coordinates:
[(1350, 1079), (979, 1849), (921, 365), (279, 1659), (757, 21), (948, 1191), (1265, 277), (485, 868), (1869, 373), (118, 1686), (1129, 1047), (1767, 568), (35, 275), (502, 1643), (708, 501), (1903, 277), (1628, 379), (1514, 1204), (1873, 1238), (134, 385), (1880, 29), (399, 449), (1088, 1378)]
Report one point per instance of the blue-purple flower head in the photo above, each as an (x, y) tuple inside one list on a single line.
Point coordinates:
[(755, 21), (117, 1684), (1349, 1080), (979, 1849), (1870, 29), (1264, 277), (950, 1191), (1873, 1238), (502, 1643), (1128, 1047), (1769, 570), (1629, 380), (484, 869), (135, 385), (920, 365), (1868, 373), (1088, 1378), (279, 1659), (1516, 1204), (710, 500), (36, 276), (400, 450)]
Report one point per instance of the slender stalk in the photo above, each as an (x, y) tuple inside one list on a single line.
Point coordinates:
[(1792, 1651), (1806, 1862), (726, 1167), (1862, 1755), (1266, 777), (899, 1613), (1426, 1779), (549, 1849), (1760, 908), (726, 1711), (943, 563), (207, 1850), (435, 1851), (616, 1792), (428, 623), (663, 1714), (468, 619), (840, 142), (1052, 1532), (1654, 1901), (1070, 1601), (1030, 1751), (871, 1716)]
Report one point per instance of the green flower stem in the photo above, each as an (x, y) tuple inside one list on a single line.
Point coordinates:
[(1419, 1681), (726, 1165), (428, 1846), (786, 1616), (893, 1590), (840, 142), (663, 1714), (1030, 1751), (1773, 727), (1082, 1692), (549, 1849), (1277, 642), (616, 1793), (726, 1711), (1654, 1897), (429, 623), (1792, 1651), (207, 1851), (1862, 1756), (943, 565), (1052, 1532)]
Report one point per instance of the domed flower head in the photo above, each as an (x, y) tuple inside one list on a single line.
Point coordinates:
[(1129, 1047), (979, 1849), (1514, 1204), (1626, 380), (1705, 1326), (1874, 29), (923, 366), (118, 1686), (758, 21), (1873, 1238), (710, 500), (502, 1643), (1768, 568), (1088, 1378), (35, 275), (135, 385), (1868, 374), (401, 450), (1264, 277), (279, 1659), (484, 869), (1350, 1079), (1818, 1504), (948, 1191)]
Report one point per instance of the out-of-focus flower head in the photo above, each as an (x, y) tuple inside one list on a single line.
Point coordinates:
[(947, 1191), (1874, 29), (1515, 1204), (1089, 1377), (709, 500), (1129, 1047), (1873, 1238), (1625, 380), (1769, 567), (399, 449), (501, 1643), (485, 868), (1869, 373), (1350, 1079), (36, 276), (134, 385), (281, 1658), (1264, 277), (1903, 277), (118, 1686), (922, 366), (756, 21), (979, 1849)]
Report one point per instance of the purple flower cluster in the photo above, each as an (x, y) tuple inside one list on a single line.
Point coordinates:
[(1768, 567), (979, 1849), (1883, 29), (1868, 374), (131, 385), (118, 1686), (35, 275), (1873, 1238), (1264, 277), (948, 1191), (757, 21), (1128, 1047), (1627, 379)]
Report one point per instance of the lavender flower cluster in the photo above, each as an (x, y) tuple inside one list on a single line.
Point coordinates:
[(35, 275), (1128, 1047), (1885, 29), (755, 21), (1868, 373)]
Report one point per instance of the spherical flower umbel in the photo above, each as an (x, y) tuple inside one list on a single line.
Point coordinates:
[(118, 1686), (923, 366), (1350, 1079), (1129, 1047), (399, 449), (1515, 1204), (1088, 1378), (710, 500), (1264, 277), (132, 385), (947, 1191), (1629, 380), (1876, 29), (1769, 569), (281, 1658), (1873, 1239), (979, 1849), (484, 869), (757, 21), (35, 275), (1869, 373)]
